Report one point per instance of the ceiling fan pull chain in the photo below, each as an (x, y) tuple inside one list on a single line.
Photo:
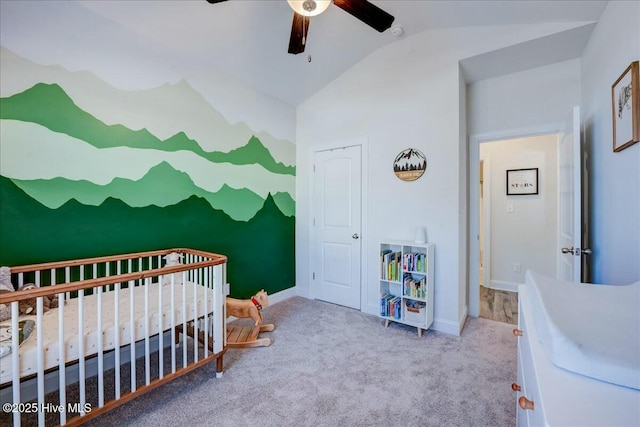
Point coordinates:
[(305, 30)]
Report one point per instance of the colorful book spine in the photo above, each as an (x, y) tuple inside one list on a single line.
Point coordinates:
[(390, 265), (414, 261), (390, 306), (415, 288)]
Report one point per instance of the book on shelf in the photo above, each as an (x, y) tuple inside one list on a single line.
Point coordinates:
[(415, 286), (414, 261), (390, 265), (391, 306)]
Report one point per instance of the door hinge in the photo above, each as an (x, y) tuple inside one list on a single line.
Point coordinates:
[(314, 222), (314, 276)]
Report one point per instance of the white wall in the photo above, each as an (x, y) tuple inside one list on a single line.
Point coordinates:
[(614, 177), (532, 100), (528, 234), (407, 94)]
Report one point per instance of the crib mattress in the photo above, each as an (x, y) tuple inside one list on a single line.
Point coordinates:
[(589, 329), (127, 332)]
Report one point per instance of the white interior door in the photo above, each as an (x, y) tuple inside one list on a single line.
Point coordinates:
[(337, 226), (570, 201)]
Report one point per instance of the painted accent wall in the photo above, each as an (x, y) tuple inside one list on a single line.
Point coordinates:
[(88, 168)]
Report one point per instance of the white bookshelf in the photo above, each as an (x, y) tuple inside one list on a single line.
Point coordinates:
[(406, 283)]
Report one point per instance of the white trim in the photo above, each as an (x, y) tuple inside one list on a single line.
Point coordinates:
[(363, 143), (371, 309), (449, 327), (276, 298), (502, 285), (474, 198), (558, 209), (364, 213), (446, 326), (283, 295), (486, 232)]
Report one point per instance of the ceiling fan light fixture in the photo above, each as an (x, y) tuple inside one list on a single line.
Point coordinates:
[(309, 7)]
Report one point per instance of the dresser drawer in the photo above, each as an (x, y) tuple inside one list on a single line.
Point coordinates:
[(530, 389)]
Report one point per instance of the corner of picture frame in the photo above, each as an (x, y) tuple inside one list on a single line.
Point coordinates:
[(626, 98)]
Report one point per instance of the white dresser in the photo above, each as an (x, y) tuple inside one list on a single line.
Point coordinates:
[(551, 396)]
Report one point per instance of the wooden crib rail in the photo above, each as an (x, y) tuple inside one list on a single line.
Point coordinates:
[(216, 258), (50, 291), (112, 316)]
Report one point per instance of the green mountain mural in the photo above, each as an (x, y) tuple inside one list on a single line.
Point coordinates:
[(48, 105), (286, 204), (162, 185), (260, 251)]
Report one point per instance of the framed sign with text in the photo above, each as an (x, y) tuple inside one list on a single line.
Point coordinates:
[(522, 181)]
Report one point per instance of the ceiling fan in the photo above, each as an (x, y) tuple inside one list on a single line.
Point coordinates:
[(364, 10)]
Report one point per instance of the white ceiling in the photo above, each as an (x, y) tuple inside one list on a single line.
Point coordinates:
[(248, 39)]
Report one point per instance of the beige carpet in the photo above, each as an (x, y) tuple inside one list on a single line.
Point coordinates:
[(333, 366)]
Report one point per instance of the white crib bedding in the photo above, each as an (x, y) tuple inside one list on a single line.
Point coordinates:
[(29, 351)]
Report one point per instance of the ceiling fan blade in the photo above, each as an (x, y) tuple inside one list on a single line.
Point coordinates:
[(367, 12), (299, 31), (215, 1)]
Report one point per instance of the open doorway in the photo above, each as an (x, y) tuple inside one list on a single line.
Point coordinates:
[(517, 231), (495, 304)]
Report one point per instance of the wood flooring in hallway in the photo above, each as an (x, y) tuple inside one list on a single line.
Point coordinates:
[(499, 305)]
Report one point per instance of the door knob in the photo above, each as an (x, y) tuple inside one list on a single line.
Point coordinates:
[(355, 236), (576, 251)]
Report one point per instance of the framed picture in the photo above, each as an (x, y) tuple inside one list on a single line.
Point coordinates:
[(625, 104), (410, 164), (522, 181)]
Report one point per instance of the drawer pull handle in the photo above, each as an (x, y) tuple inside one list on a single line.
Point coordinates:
[(525, 403), (515, 387), (517, 332)]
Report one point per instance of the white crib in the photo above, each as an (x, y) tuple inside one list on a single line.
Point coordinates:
[(117, 317)]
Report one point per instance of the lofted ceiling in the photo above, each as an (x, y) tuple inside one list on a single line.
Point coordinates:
[(248, 39)]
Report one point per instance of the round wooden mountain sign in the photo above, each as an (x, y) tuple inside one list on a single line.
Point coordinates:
[(409, 165)]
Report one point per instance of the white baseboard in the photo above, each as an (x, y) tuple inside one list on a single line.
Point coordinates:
[(463, 318), (446, 326), (371, 309), (283, 295), (502, 285), (274, 299), (449, 327)]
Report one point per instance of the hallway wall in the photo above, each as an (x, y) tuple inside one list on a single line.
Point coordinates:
[(526, 236)]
